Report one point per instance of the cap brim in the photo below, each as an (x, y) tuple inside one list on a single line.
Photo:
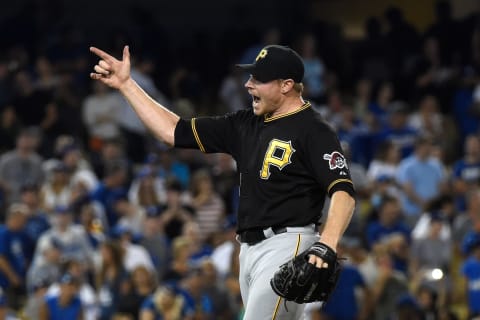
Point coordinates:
[(246, 67), (255, 72)]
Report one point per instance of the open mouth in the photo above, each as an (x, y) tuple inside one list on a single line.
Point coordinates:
[(256, 99)]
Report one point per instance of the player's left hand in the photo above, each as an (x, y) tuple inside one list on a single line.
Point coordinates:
[(111, 71), (301, 281), (317, 261)]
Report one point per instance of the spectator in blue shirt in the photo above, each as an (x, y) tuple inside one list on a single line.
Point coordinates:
[(37, 221), (346, 294), (466, 171), (165, 304), (15, 254), (110, 190), (397, 129), (112, 279), (170, 166), (378, 108), (421, 177), (471, 271), (66, 305), (388, 222), (193, 291)]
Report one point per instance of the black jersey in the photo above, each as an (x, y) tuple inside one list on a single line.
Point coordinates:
[(287, 163)]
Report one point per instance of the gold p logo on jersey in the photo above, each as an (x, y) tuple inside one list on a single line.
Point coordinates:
[(261, 55), (279, 154)]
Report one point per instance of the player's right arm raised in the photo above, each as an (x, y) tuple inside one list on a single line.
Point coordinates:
[(116, 74)]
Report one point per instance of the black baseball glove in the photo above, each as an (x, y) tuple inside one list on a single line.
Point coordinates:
[(302, 282)]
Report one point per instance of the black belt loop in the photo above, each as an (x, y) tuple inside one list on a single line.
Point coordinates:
[(254, 236), (278, 230)]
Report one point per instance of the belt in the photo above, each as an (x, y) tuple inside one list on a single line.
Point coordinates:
[(254, 236)]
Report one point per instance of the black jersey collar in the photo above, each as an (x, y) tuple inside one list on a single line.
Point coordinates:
[(303, 107)]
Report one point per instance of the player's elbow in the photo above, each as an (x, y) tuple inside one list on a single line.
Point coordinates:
[(345, 198), (166, 134)]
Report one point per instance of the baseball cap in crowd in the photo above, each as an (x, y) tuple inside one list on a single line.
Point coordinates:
[(437, 216), (407, 301), (397, 107), (65, 149), (40, 283), (29, 187), (276, 62), (120, 229), (17, 209), (153, 211), (60, 167), (68, 278), (145, 172), (383, 178), (60, 209)]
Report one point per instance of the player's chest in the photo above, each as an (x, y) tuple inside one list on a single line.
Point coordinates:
[(271, 149)]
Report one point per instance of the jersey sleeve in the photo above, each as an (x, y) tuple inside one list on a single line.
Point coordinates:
[(208, 134), (327, 160)]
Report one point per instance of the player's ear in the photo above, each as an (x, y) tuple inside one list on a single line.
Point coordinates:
[(286, 85)]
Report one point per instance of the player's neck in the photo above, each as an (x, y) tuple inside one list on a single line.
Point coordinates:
[(287, 106)]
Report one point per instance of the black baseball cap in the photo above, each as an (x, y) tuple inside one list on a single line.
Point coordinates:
[(276, 62)]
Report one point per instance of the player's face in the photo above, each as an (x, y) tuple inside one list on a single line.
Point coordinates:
[(265, 95)]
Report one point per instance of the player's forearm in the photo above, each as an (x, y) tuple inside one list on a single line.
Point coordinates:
[(339, 215), (158, 119)]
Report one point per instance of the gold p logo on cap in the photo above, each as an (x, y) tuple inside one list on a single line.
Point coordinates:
[(261, 55)]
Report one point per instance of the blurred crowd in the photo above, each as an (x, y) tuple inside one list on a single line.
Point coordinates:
[(100, 221)]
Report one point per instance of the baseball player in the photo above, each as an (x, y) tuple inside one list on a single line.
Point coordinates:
[(288, 159)]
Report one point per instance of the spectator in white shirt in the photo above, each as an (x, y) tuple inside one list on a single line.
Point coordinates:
[(135, 255), (100, 114)]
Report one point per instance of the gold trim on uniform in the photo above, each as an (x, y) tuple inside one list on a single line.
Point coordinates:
[(299, 238), (337, 181), (276, 308), (303, 107), (195, 134)]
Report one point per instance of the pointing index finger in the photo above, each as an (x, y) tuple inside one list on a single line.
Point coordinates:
[(102, 54)]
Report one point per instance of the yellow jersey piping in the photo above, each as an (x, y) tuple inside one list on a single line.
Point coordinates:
[(279, 298), (195, 134), (303, 107), (337, 181)]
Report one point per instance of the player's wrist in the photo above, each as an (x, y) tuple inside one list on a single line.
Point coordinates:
[(332, 243), (127, 85)]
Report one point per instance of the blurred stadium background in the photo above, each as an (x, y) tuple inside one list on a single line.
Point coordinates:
[(99, 218)]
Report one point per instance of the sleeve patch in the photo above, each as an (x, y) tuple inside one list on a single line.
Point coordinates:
[(336, 160)]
